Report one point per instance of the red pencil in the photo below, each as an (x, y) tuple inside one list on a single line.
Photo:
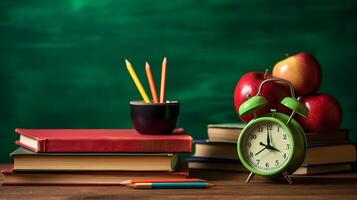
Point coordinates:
[(128, 182)]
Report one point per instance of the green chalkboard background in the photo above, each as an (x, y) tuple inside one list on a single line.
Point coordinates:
[(62, 62)]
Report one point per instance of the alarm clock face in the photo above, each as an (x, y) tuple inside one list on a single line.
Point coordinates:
[(267, 147)]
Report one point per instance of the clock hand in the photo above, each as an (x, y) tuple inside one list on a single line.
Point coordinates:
[(271, 147), (268, 138), (260, 151), (261, 143), (267, 146)]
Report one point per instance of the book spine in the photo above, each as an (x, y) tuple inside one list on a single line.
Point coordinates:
[(41, 146)]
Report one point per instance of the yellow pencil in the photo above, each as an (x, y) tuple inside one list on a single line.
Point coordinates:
[(137, 81)]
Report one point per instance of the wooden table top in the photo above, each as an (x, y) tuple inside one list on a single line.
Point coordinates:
[(229, 185)]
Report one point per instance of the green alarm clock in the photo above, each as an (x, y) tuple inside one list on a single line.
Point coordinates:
[(272, 145)]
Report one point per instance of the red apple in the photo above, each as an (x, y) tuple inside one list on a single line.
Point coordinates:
[(325, 113), (302, 70), (248, 85)]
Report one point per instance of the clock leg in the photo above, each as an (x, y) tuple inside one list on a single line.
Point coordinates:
[(287, 177), (250, 177)]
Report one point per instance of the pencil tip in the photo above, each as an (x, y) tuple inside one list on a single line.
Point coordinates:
[(125, 182), (210, 185), (164, 59), (147, 65), (127, 62)]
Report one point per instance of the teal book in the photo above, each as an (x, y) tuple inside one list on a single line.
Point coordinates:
[(26, 160)]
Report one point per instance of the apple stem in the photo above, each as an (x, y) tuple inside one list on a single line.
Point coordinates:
[(265, 73)]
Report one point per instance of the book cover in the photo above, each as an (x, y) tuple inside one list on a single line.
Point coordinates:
[(26, 160), (228, 132), (323, 144), (10, 177), (307, 169), (208, 149), (326, 153), (102, 140), (336, 136)]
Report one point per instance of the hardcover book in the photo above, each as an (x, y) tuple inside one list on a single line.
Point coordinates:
[(227, 132), (337, 136), (26, 160), (215, 164), (318, 154), (323, 169), (102, 140), (208, 149), (10, 177)]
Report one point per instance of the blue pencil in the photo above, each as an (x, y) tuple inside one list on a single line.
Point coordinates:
[(178, 185)]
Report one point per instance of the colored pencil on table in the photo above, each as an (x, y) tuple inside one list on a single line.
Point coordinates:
[(151, 83), (187, 185), (128, 182), (163, 81), (137, 81)]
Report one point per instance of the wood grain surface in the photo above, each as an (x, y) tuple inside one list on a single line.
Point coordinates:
[(228, 186)]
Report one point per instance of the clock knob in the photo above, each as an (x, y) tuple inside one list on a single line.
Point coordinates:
[(252, 104)]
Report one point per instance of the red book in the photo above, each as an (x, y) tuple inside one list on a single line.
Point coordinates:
[(82, 178), (102, 140)]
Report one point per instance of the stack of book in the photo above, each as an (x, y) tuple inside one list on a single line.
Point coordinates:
[(219, 152), (327, 152), (95, 156)]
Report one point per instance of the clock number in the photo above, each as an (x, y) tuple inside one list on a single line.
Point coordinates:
[(269, 126), (249, 144), (253, 137), (287, 146), (284, 156), (267, 164), (276, 162), (251, 155), (285, 136), (258, 161), (260, 129)]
